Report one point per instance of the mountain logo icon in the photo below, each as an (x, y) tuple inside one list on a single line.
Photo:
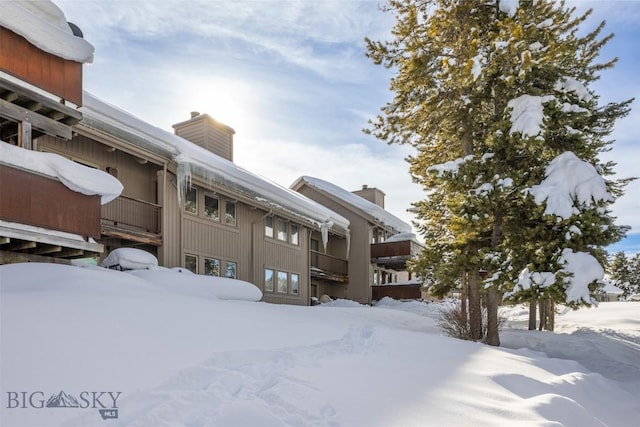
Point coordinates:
[(62, 400)]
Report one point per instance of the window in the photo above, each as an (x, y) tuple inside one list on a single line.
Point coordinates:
[(212, 267), (315, 245), (282, 282), (230, 212), (295, 280), (268, 280), (293, 238), (191, 200), (211, 208), (191, 263), (230, 271), (268, 226), (281, 229)]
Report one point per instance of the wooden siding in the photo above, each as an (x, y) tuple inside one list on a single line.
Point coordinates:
[(139, 180), (58, 76), (207, 133), (360, 268), (27, 198), (396, 292), (245, 243), (170, 254)]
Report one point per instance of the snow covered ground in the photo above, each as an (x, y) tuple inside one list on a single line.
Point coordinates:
[(100, 344)]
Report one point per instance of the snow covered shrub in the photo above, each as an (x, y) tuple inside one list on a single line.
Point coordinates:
[(454, 321)]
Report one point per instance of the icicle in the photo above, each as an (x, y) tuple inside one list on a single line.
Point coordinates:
[(184, 178), (348, 243), (324, 229)]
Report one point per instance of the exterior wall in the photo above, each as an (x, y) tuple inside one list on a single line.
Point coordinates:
[(139, 180), (206, 132), (56, 75), (170, 253), (245, 243), (29, 198), (360, 268)]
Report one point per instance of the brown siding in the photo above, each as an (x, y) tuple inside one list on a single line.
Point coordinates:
[(56, 75), (139, 180), (169, 255), (32, 199), (360, 268)]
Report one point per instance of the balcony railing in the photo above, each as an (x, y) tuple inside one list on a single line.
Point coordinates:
[(394, 255), (329, 264), (132, 214)]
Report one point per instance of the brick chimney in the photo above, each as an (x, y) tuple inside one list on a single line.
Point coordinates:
[(371, 194), (205, 131)]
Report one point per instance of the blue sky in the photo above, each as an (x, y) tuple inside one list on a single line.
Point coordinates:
[(292, 79)]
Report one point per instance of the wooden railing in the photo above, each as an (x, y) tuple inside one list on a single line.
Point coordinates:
[(132, 213), (329, 264)]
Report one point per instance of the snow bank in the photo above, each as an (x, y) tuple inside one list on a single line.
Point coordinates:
[(45, 26), (130, 259), (184, 282), (76, 177), (569, 179), (177, 359)]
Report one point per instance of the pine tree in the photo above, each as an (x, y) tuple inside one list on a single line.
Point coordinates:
[(625, 273), (460, 68)]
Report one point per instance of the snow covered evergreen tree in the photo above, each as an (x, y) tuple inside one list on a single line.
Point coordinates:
[(625, 273), (491, 94)]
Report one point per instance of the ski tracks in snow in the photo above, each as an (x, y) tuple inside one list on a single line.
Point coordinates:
[(245, 388)]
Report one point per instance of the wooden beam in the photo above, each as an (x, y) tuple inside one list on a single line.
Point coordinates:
[(24, 135), (46, 249), (44, 100), (10, 96), (40, 122), (7, 257), (4, 240), (33, 105), (21, 245), (134, 236), (71, 253)]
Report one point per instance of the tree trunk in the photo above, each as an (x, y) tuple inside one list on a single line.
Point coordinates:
[(550, 313), (532, 314), (464, 288), (543, 315), (475, 308), (493, 300)]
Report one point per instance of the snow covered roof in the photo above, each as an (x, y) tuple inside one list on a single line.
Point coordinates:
[(45, 26), (76, 177), (361, 204), (193, 159)]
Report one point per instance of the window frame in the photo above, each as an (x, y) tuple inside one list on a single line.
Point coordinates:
[(210, 195), (205, 266), (186, 200), (234, 219), (271, 280), (197, 261), (281, 222), (278, 282), (297, 282), (294, 238), (268, 226), (227, 264)]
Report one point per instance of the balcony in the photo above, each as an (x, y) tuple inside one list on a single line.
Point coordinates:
[(132, 219), (328, 267), (394, 255), (41, 217)]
